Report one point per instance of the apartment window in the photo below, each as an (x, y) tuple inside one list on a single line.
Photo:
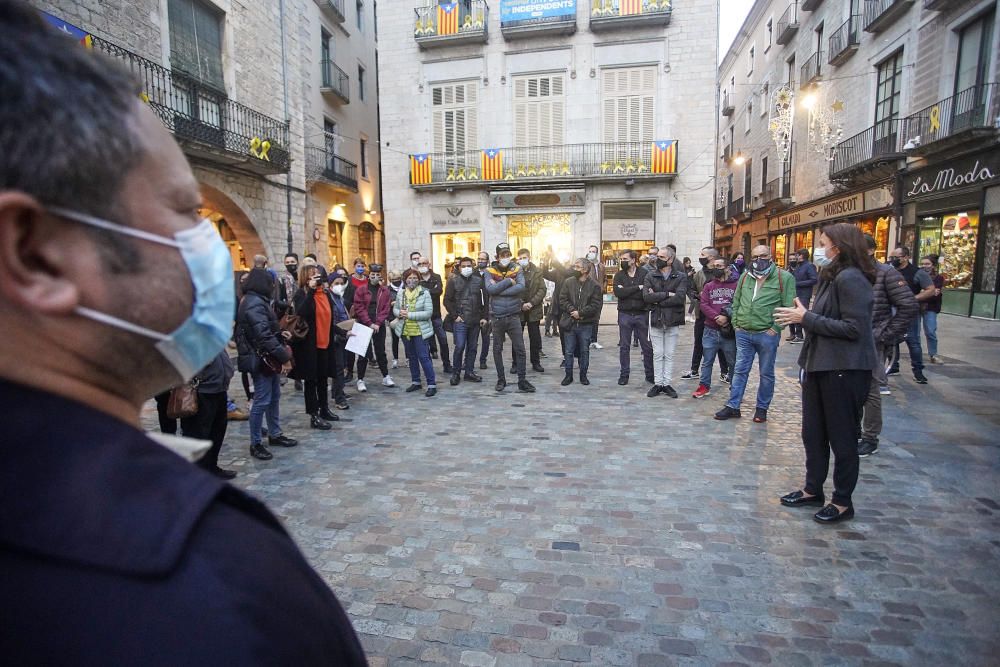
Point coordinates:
[(364, 158), (454, 117), (763, 173), (786, 172), (325, 52), (366, 241), (539, 109), (749, 115), (196, 40), (747, 181), (765, 98), (361, 83), (732, 136), (769, 33), (375, 18), (729, 188), (330, 135), (629, 104), (361, 15), (974, 54), (750, 57), (887, 95)]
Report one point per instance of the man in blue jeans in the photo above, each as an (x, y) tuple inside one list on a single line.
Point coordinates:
[(922, 286), (632, 315), (762, 288), (464, 299)]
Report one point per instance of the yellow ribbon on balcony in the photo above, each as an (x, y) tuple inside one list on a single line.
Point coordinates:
[(461, 174), (564, 170), (935, 118), (259, 149), (509, 176), (605, 166), (473, 174), (520, 170), (451, 174)]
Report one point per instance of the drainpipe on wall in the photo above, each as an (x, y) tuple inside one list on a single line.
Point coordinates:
[(284, 89)]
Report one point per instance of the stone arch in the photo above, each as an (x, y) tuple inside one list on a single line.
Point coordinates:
[(218, 205)]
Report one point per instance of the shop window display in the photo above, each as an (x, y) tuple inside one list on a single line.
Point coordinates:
[(779, 250), (610, 253), (953, 237), (450, 246)]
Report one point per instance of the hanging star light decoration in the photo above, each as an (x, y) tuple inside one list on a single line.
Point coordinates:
[(825, 125), (781, 109)]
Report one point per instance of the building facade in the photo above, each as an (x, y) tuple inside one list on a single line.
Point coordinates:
[(826, 107), (248, 111), (547, 125)]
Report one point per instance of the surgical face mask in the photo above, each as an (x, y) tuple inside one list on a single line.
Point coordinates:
[(414, 263), (466, 271), (524, 263), (397, 283), (819, 257), (591, 256), (337, 289), (423, 269), (208, 328), (375, 279), (505, 262), (360, 270)]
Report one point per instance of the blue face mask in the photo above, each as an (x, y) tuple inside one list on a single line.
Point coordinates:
[(208, 328), (360, 270)]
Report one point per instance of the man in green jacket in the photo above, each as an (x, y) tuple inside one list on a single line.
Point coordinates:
[(531, 311), (762, 288)]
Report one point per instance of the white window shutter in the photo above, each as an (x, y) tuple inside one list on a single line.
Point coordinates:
[(437, 121)]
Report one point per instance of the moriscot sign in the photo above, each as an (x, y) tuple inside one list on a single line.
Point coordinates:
[(842, 207)]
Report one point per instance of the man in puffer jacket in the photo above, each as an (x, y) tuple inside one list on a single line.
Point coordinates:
[(504, 282), (893, 311), (665, 290)]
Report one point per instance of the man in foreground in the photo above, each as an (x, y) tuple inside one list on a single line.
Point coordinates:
[(132, 552)]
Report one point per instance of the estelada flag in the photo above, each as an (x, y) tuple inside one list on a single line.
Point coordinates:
[(664, 157), (492, 164), (420, 169), (448, 18), (629, 7)]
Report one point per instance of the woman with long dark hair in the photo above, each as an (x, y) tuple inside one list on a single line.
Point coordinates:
[(837, 359)]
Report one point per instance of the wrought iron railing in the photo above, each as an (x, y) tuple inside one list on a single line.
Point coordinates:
[(456, 19), (628, 9), (720, 215), (876, 10), (845, 37), (196, 112), (595, 161), (336, 80), (810, 69), (324, 164), (976, 107), (727, 104), (776, 190), (788, 24), (735, 208), (333, 7), (882, 141)]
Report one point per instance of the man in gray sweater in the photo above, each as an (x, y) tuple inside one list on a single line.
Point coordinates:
[(504, 282)]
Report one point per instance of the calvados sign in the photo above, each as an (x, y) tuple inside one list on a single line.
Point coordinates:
[(956, 175)]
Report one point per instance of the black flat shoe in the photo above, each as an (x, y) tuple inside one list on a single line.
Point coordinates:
[(728, 413), (260, 452), (622, 380), (669, 391), (319, 424), (759, 416), (528, 388), (537, 368), (482, 365), (282, 441), (501, 385), (799, 499), (222, 473), (326, 414), (455, 379), (472, 377), (654, 391), (568, 380), (432, 391), (830, 514), (413, 387), (583, 379)]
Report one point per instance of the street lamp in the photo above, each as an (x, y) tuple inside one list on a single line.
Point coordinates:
[(739, 159)]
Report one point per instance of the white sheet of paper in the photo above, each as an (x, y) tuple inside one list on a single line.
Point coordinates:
[(362, 338)]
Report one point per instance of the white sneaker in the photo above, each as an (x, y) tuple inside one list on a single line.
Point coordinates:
[(884, 390), (395, 363), (361, 386), (596, 346), (387, 382)]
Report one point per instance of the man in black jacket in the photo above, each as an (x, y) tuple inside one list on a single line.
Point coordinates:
[(632, 314), (115, 550), (580, 301), (483, 263), (665, 290), (432, 283), (465, 301), (531, 311), (552, 269)]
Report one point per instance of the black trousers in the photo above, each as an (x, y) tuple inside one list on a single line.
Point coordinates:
[(395, 345), (377, 350), (832, 402), (534, 341), (484, 343), (699, 351), (167, 425), (315, 391), (510, 327), (209, 423)]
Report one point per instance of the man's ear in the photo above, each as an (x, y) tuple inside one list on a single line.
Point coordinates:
[(36, 257)]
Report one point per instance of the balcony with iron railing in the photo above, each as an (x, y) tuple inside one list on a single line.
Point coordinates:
[(809, 73), (333, 9), (879, 14), (205, 122), (611, 14), (450, 24), (720, 216), (517, 20), (788, 24), (595, 162), (736, 209), (845, 40), (810, 5), (335, 81), (777, 193), (971, 115), (324, 166), (728, 107), (875, 150)]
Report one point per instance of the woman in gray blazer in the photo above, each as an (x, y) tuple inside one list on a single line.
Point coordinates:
[(836, 359)]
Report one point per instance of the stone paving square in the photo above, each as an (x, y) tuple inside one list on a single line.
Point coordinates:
[(594, 525)]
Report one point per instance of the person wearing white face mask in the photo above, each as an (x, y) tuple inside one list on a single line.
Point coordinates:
[(504, 282), (531, 311), (116, 288), (465, 301), (434, 285), (597, 273)]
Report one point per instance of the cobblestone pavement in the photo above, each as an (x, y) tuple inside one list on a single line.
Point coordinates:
[(594, 525)]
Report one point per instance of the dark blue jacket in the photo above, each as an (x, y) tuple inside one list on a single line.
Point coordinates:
[(805, 281), (116, 551)]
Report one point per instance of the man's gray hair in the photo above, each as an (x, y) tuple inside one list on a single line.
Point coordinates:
[(67, 117), (711, 253)]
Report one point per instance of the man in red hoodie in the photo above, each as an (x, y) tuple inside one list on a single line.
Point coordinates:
[(715, 303)]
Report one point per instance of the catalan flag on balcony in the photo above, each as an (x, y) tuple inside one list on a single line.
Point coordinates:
[(68, 28), (492, 164), (629, 7), (664, 157), (420, 169), (447, 18)]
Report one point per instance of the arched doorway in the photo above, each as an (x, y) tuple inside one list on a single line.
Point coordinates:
[(234, 226), (366, 241)]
